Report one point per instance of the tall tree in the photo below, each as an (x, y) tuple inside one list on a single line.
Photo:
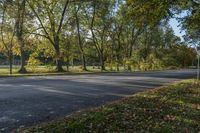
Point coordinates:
[(99, 27), (20, 17), (52, 24), (80, 40), (191, 23), (7, 31)]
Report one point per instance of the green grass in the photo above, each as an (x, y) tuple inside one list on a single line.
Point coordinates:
[(174, 108), (43, 70), (50, 70)]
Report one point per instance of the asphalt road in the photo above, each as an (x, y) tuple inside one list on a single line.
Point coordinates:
[(27, 101)]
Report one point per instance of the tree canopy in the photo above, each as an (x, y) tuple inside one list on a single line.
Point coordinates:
[(133, 34)]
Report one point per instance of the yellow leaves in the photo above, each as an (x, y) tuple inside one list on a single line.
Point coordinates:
[(33, 61)]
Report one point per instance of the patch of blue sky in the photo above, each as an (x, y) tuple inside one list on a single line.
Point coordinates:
[(177, 26)]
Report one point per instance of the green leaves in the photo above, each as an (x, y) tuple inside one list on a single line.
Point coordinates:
[(148, 12), (151, 13)]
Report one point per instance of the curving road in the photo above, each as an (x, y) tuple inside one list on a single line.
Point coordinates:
[(27, 101)]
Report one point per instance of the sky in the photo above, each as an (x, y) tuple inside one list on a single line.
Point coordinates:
[(177, 28), (177, 25)]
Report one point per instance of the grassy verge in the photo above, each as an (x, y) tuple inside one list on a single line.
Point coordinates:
[(50, 70), (42, 71), (173, 108)]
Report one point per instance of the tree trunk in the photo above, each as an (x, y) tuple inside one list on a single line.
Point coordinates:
[(68, 63), (23, 60), (72, 62), (102, 63), (84, 62), (111, 64), (117, 67), (19, 32), (134, 37), (59, 62), (129, 68), (59, 65), (59, 59), (84, 67), (10, 61)]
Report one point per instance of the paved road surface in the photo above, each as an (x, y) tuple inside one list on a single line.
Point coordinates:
[(27, 101)]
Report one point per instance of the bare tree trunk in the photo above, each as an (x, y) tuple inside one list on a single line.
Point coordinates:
[(84, 63), (99, 50), (80, 41), (19, 32), (59, 63), (118, 67), (102, 63), (23, 59), (68, 63), (10, 61), (59, 59), (129, 68), (10, 46), (119, 48), (134, 37)]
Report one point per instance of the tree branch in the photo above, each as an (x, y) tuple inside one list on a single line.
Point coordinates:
[(37, 34), (62, 17), (36, 14)]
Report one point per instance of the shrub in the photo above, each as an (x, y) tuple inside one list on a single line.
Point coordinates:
[(33, 63)]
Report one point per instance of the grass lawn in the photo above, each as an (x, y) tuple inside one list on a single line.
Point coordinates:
[(46, 70), (50, 70), (43, 70), (174, 108)]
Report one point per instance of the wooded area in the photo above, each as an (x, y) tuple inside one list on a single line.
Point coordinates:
[(133, 34)]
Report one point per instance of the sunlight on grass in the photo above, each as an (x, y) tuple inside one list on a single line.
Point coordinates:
[(46, 70)]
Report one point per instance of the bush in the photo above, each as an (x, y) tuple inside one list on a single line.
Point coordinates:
[(33, 63)]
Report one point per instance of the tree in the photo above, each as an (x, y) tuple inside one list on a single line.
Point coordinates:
[(7, 32), (80, 40), (153, 11), (191, 23), (99, 27), (133, 34), (20, 17), (52, 24)]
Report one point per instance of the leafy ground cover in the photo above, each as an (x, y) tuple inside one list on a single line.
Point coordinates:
[(173, 108)]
